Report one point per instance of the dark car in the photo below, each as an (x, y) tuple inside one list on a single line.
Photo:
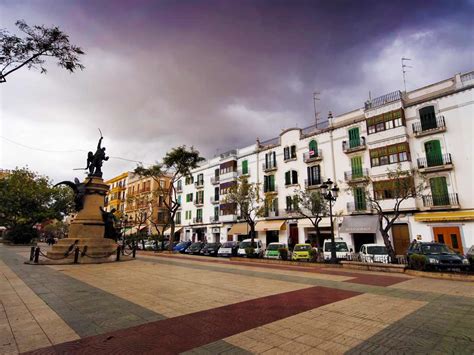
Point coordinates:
[(210, 249), (181, 247), (228, 249), (437, 256), (194, 248)]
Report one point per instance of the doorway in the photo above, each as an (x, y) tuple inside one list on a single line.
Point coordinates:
[(451, 236), (271, 237), (401, 238), (362, 238)]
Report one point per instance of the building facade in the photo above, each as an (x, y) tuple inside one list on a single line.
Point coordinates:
[(427, 131), (116, 196)]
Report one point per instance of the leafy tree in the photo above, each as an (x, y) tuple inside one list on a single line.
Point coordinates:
[(248, 203), (401, 186), (39, 43), (177, 163), (26, 199), (311, 205), (56, 229)]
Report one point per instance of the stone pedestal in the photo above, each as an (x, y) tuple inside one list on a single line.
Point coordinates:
[(87, 229)]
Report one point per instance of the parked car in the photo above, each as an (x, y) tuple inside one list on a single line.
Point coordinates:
[(301, 252), (182, 246), (272, 250), (437, 256), (210, 249), (341, 249), (167, 244), (150, 245), (246, 243), (228, 249), (370, 253), (194, 248)]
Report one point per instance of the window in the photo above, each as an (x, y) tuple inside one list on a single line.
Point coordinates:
[(354, 137), (286, 153), (291, 177), (356, 167), (188, 215), (427, 118), (199, 215), (391, 154), (189, 197), (291, 203), (270, 160), (199, 197), (293, 152), (314, 175), (179, 185), (245, 167), (200, 179), (178, 199), (385, 121), (178, 217), (313, 148), (189, 180), (160, 200), (269, 183), (389, 189), (216, 212), (161, 217)]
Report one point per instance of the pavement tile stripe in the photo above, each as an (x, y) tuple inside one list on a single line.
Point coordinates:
[(86, 309), (183, 333), (359, 278)]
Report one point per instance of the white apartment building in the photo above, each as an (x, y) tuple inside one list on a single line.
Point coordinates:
[(429, 130)]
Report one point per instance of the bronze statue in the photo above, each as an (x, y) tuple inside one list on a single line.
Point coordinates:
[(79, 189), (94, 161), (109, 220)]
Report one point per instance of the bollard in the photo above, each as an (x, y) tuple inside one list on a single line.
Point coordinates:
[(32, 253), (37, 254), (76, 255), (118, 253), (134, 250)]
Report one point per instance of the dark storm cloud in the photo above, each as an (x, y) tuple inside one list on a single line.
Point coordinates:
[(217, 74)]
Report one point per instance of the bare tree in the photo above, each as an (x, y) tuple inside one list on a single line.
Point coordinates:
[(39, 43), (312, 206), (177, 164), (399, 186), (248, 203)]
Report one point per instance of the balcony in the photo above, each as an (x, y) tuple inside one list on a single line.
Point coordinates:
[(270, 166), (271, 214), (228, 218), (313, 184), (312, 156), (354, 145), (356, 176), (215, 180), (228, 176), (358, 208), (231, 154), (443, 201), (214, 199), (197, 220), (240, 173), (436, 126), (214, 219), (435, 163), (199, 184), (199, 203)]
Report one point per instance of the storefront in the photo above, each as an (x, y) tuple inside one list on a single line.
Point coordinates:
[(363, 230), (240, 230), (272, 231)]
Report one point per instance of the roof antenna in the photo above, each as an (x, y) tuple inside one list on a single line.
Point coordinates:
[(316, 113), (404, 71)]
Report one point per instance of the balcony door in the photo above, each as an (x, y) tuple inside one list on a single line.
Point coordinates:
[(439, 191), (359, 199), (356, 164), (427, 118), (433, 153), (354, 138)]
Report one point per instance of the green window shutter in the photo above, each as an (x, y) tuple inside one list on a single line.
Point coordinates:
[(392, 149), (370, 121), (287, 178), (433, 153), (356, 164), (439, 191), (354, 138), (313, 146), (359, 198), (265, 183), (245, 167), (294, 177), (271, 182)]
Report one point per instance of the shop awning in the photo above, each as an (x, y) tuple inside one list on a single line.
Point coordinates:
[(359, 224), (239, 228), (445, 216), (276, 225), (168, 231)]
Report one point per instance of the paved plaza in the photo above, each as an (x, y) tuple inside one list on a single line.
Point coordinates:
[(175, 304)]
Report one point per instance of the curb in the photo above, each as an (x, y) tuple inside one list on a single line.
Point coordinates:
[(286, 262), (440, 275), (379, 267)]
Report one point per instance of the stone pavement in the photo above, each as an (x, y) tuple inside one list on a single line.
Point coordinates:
[(167, 304)]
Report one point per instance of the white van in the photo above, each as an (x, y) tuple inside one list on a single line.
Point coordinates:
[(341, 249), (370, 253), (257, 245)]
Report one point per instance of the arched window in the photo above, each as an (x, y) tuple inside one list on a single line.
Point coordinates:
[(313, 148), (427, 118)]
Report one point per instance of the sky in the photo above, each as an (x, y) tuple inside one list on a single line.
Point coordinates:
[(213, 74)]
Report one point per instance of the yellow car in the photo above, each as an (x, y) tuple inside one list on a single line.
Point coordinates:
[(301, 252)]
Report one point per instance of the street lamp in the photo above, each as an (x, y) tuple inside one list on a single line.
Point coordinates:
[(330, 194)]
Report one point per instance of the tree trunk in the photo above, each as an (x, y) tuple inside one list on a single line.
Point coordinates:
[(170, 246), (252, 233), (388, 244)]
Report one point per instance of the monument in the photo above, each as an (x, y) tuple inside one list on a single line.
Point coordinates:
[(92, 224)]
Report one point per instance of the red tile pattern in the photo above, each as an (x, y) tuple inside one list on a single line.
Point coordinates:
[(179, 334)]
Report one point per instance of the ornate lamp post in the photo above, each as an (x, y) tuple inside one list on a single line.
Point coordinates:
[(330, 194)]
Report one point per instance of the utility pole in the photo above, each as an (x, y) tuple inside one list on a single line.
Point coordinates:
[(316, 113), (404, 71)]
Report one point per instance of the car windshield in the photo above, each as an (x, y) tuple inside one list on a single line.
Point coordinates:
[(302, 247), (275, 246), (244, 245), (183, 244), (377, 250), (340, 246), (436, 249), (228, 245)]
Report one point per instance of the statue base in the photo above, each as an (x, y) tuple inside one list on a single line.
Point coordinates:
[(87, 230)]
